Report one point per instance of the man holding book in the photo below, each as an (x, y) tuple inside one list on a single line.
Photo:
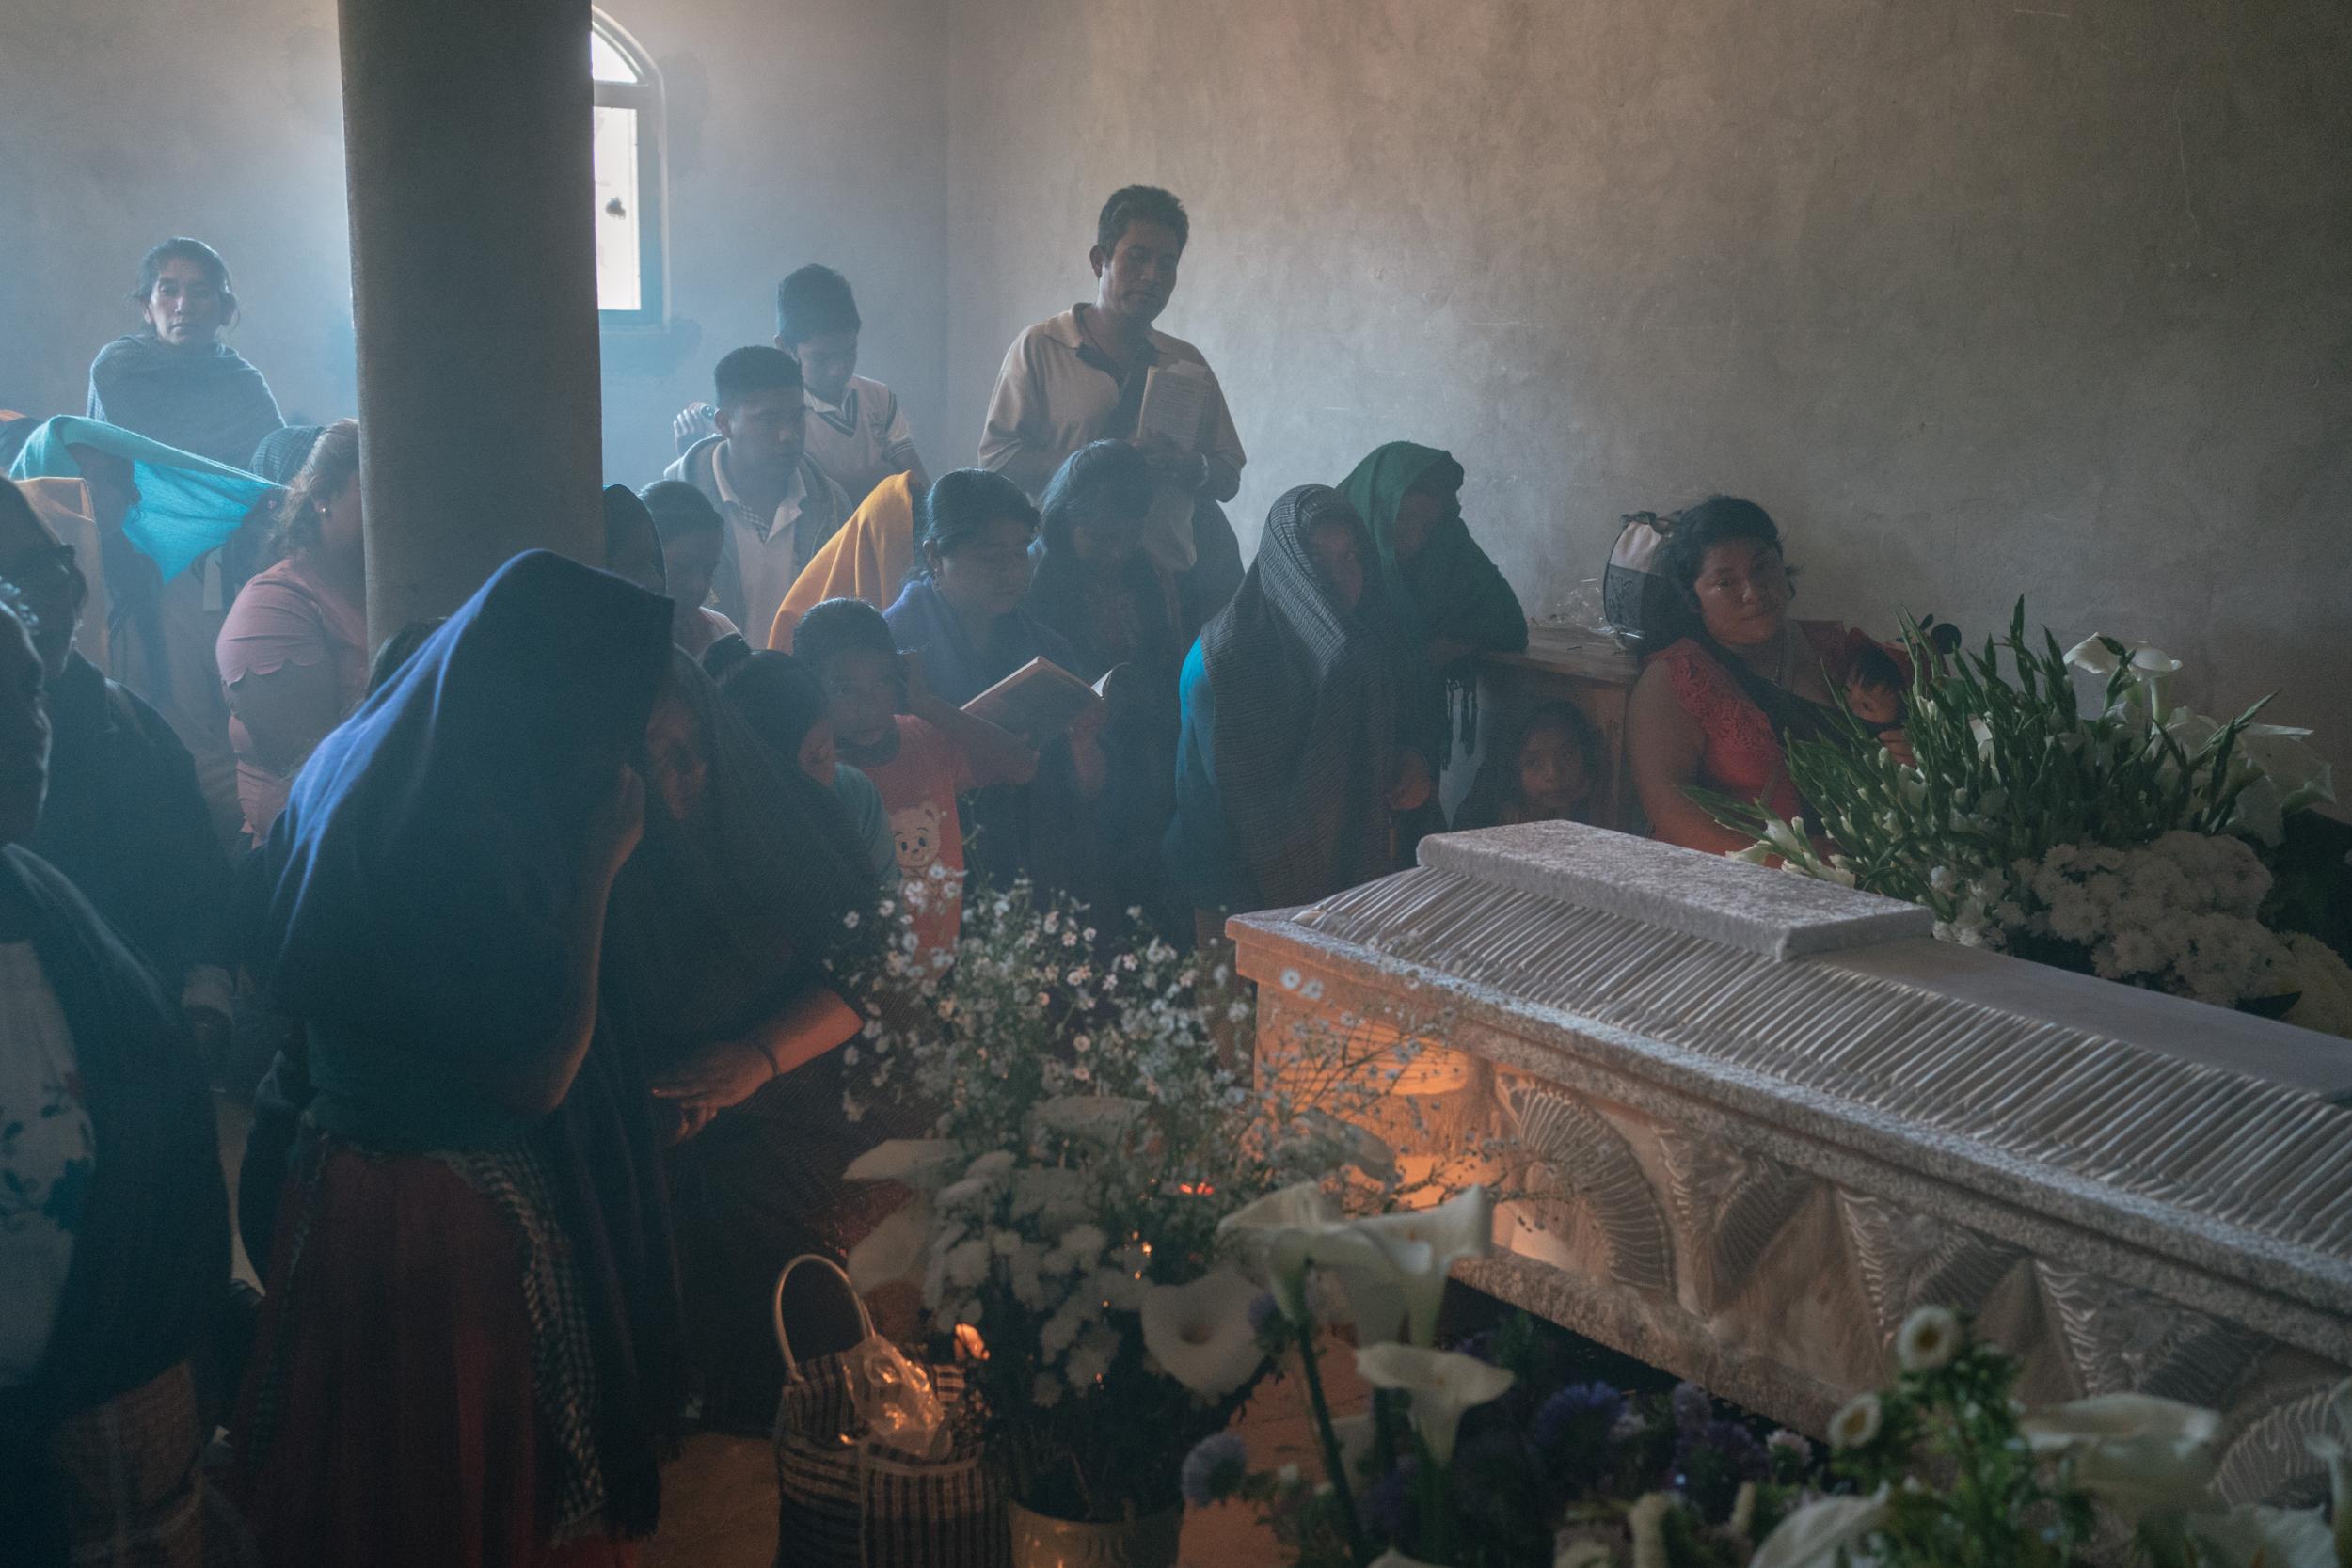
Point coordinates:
[(1099, 371)]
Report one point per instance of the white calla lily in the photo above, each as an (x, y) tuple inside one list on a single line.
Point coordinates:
[(2093, 655), (1394, 1559), (2301, 773), (1277, 1230), (2139, 1453), (1372, 1282), (1201, 1332), (1423, 1244), (895, 1249), (1646, 1522), (1813, 1536), (1582, 1554), (1442, 1382), (915, 1161)]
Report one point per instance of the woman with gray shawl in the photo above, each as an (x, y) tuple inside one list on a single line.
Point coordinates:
[(1290, 771), (174, 381)]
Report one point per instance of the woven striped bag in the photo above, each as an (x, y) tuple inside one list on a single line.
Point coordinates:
[(846, 1501)]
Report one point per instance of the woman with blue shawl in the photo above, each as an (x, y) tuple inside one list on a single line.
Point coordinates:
[(1448, 600), (1291, 771), (162, 517), (963, 612), (174, 381), (472, 1332)]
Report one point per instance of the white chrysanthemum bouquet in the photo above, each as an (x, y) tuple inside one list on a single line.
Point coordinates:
[(2145, 844)]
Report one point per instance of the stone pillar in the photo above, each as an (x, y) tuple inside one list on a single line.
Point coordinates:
[(474, 287)]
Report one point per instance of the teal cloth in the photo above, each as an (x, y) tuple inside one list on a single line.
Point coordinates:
[(188, 505), (1198, 849), (1454, 590), (864, 802)]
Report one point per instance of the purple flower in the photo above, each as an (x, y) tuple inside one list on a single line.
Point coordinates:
[(1711, 1462), (1588, 1406), (1216, 1466), (1389, 1502), (1262, 1309)]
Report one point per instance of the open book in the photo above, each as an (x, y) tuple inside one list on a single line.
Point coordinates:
[(1039, 700)]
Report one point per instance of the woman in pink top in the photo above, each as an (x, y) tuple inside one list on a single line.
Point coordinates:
[(294, 651)]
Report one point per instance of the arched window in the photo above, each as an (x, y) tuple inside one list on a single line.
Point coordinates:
[(628, 144)]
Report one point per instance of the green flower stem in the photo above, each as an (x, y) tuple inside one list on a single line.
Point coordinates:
[(1321, 1406)]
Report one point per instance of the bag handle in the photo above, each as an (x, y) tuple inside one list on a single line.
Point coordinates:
[(775, 1304)]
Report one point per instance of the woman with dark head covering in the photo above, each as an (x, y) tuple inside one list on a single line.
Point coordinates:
[(1290, 768), (1447, 596), (633, 545), (284, 451), (293, 650), (472, 1332), (125, 821), (1118, 608), (963, 612), (174, 381), (746, 883), (115, 1249)]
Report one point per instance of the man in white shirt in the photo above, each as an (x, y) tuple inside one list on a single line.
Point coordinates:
[(857, 432), (779, 506), (1080, 377)]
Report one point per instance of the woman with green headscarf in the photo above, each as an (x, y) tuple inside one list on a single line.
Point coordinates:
[(1446, 596)]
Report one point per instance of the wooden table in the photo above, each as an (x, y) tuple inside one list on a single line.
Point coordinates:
[(1573, 664)]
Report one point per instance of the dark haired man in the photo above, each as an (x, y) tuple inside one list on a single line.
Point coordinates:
[(857, 432), (778, 504), (1080, 377)]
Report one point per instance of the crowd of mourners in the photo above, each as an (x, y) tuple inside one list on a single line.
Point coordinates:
[(515, 928)]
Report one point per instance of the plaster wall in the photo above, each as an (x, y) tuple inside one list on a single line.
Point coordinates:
[(2051, 297), (814, 131)]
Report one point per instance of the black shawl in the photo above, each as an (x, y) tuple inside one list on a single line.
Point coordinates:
[(1305, 712), (151, 1260)]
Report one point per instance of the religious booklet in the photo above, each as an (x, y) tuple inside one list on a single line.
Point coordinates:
[(1175, 410), (1175, 402), (1039, 700)]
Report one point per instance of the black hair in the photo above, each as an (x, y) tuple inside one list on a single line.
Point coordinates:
[(780, 698), (331, 468), (624, 512), (1102, 482), (841, 626), (1136, 204), (398, 649), (815, 301), (962, 503), (751, 370), (1697, 529), (1582, 734), (182, 248), (679, 508), (1873, 666), (281, 454), (15, 502)]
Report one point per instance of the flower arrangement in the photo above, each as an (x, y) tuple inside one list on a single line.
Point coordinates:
[(1950, 1469), (1481, 1456), (1089, 1141), (2124, 845)]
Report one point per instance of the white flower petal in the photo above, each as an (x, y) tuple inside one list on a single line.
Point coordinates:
[(1443, 1384), (1200, 1333)]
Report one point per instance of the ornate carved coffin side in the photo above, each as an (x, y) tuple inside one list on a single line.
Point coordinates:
[(1764, 1118)]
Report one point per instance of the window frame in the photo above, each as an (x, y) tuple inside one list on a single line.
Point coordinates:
[(644, 98)]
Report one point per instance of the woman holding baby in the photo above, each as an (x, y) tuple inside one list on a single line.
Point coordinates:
[(1715, 709)]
